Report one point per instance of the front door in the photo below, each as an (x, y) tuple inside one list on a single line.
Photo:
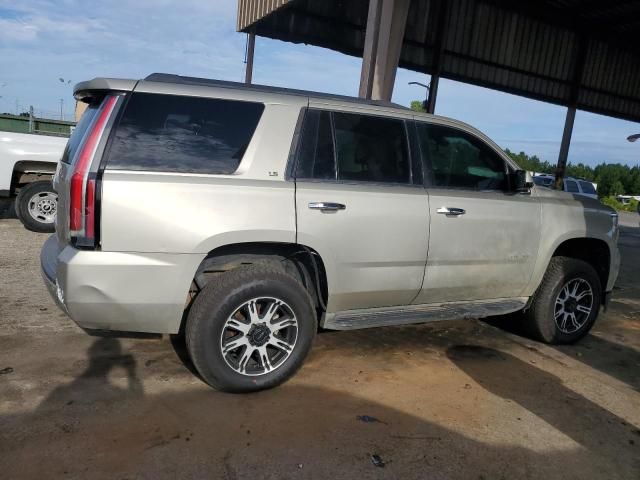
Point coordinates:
[(483, 238), (361, 205)]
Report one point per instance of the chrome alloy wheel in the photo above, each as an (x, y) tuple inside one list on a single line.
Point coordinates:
[(259, 336), (43, 206), (573, 305)]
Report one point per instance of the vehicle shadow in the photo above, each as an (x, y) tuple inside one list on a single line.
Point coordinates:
[(7, 208), (544, 395), (93, 428), (618, 361), (93, 384)]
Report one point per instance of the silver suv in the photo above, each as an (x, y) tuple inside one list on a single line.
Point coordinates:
[(247, 217)]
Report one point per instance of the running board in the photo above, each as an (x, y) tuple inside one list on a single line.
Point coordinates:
[(432, 312)]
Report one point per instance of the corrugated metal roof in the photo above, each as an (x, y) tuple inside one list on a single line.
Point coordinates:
[(561, 51)]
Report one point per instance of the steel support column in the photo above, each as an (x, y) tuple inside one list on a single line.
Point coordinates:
[(564, 146), (251, 45), (578, 69), (439, 49), (370, 49), (386, 23)]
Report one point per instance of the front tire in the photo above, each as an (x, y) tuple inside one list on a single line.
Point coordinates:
[(36, 206), (567, 303), (250, 329)]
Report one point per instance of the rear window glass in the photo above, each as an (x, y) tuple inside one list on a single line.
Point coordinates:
[(78, 133), (173, 133), (587, 187)]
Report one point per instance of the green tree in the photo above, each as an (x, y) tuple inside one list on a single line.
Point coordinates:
[(617, 188), (416, 106)]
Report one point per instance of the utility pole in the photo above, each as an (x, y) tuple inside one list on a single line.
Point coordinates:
[(31, 123)]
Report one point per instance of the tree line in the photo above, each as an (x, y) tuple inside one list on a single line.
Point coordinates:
[(612, 178)]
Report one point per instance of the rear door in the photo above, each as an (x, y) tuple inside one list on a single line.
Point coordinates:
[(361, 204), (483, 238)]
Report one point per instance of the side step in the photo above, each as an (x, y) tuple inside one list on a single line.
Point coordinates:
[(432, 312)]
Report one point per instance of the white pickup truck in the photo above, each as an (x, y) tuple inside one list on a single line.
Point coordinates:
[(27, 164)]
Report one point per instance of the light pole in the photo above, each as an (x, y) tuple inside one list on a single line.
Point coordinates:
[(64, 83)]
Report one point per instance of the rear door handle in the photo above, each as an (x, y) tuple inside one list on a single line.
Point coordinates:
[(451, 211), (332, 206)]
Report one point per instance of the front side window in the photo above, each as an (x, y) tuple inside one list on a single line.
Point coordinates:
[(572, 186), (457, 159), (172, 133)]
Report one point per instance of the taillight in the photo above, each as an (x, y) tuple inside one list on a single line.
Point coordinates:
[(82, 188)]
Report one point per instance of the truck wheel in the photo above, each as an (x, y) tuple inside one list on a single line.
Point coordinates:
[(250, 329), (36, 207), (566, 304)]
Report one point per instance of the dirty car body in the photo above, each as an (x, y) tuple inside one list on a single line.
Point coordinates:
[(298, 181)]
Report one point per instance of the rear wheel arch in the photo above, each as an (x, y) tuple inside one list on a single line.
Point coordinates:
[(29, 171), (300, 261)]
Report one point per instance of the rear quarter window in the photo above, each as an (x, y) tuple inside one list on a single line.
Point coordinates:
[(172, 133)]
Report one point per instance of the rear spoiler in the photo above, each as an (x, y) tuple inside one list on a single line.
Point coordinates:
[(86, 91)]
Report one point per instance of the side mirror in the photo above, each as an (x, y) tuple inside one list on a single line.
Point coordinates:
[(522, 181)]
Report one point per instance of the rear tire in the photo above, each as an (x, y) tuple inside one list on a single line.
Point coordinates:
[(566, 304), (36, 206), (265, 312)]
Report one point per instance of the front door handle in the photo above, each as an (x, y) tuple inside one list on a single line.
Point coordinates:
[(327, 206), (451, 211)]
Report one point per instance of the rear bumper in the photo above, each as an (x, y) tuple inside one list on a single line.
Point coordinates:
[(123, 291)]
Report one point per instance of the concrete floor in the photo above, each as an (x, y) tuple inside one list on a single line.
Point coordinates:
[(452, 400)]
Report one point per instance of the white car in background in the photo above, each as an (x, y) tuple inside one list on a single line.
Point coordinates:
[(27, 164), (578, 186)]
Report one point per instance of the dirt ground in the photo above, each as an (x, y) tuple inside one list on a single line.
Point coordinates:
[(460, 399)]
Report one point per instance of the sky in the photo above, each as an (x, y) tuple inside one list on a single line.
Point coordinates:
[(43, 41)]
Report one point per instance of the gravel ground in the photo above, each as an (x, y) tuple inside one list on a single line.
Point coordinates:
[(450, 400)]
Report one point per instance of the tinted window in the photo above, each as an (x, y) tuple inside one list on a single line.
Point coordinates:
[(315, 156), (540, 181), (571, 186), (587, 187), (371, 149), (460, 160), (183, 134), (78, 132)]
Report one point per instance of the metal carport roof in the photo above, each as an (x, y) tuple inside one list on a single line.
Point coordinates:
[(584, 54)]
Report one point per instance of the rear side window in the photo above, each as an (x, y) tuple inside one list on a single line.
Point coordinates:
[(460, 160), (572, 186), (315, 158), (171, 133), (367, 149), (78, 132), (587, 187), (371, 149)]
